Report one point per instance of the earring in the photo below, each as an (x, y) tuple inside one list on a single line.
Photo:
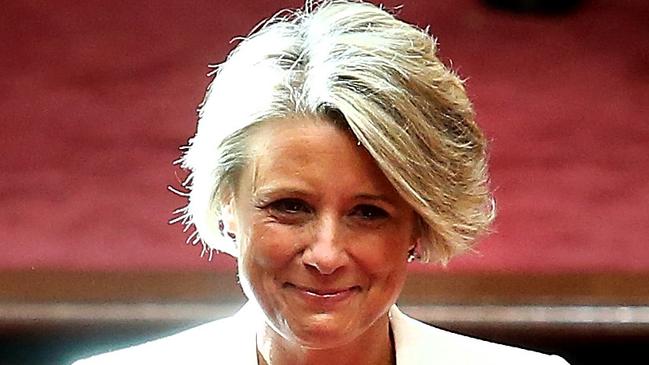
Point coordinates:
[(413, 255), (229, 234)]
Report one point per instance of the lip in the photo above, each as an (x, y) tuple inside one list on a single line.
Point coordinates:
[(323, 296)]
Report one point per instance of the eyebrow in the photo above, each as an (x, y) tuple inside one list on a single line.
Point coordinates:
[(275, 190), (376, 197)]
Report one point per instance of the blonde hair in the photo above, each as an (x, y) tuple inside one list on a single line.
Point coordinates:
[(355, 62)]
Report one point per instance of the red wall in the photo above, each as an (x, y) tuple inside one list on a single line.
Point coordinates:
[(96, 96)]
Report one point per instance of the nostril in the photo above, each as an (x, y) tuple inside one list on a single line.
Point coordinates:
[(325, 267), (323, 263)]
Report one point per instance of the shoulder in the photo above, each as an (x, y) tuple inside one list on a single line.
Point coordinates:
[(226, 340), (419, 343)]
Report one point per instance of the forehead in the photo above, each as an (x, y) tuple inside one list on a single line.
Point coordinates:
[(306, 152)]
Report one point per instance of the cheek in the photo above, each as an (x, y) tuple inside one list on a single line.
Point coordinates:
[(269, 246), (384, 254)]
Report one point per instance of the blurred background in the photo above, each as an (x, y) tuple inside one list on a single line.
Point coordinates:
[(96, 97)]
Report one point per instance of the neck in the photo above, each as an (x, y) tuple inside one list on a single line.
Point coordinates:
[(374, 347)]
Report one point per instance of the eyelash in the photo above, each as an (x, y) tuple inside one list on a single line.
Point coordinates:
[(370, 212), (289, 206), (292, 207)]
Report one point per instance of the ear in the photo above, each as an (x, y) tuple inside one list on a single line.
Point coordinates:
[(229, 219), (417, 233), (413, 251)]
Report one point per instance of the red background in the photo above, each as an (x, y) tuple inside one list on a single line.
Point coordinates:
[(96, 96)]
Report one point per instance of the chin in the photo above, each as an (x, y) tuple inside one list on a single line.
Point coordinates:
[(322, 340), (321, 331)]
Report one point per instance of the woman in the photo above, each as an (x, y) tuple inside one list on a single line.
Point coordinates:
[(332, 148)]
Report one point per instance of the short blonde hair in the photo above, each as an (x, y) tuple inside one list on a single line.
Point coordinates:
[(350, 61)]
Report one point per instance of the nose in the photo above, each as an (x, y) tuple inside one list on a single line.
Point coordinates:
[(326, 252)]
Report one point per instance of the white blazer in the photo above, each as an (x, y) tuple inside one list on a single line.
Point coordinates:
[(232, 341)]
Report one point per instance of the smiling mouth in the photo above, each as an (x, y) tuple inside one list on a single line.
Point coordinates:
[(324, 296)]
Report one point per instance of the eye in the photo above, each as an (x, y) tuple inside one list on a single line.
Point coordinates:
[(289, 206), (369, 212)]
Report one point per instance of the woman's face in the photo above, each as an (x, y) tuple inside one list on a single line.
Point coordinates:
[(323, 236)]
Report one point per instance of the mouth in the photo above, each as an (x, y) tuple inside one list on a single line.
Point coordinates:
[(323, 296), (322, 291)]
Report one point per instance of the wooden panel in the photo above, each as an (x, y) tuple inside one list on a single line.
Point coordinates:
[(481, 299), (69, 315)]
